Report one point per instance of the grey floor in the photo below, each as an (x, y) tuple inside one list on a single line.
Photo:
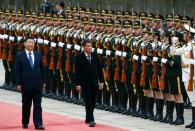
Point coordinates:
[(76, 111)]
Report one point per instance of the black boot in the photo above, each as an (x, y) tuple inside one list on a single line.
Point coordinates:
[(138, 112), (179, 111), (169, 118), (7, 81), (143, 111), (133, 104), (167, 111), (192, 124), (149, 108), (159, 110)]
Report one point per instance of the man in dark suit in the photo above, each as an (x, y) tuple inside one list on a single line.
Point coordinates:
[(88, 75), (60, 8), (30, 80)]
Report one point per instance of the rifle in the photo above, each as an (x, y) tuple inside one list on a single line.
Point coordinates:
[(124, 75), (143, 74), (68, 54), (154, 76), (162, 78), (108, 62), (190, 82)]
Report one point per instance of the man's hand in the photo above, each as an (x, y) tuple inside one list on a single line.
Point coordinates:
[(78, 88), (19, 88), (101, 86), (44, 85)]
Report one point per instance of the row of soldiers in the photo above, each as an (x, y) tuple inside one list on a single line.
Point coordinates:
[(134, 50)]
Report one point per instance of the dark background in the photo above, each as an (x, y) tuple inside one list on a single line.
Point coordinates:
[(182, 7)]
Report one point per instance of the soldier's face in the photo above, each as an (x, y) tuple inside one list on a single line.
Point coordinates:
[(109, 29), (48, 22), (127, 30), (92, 27), (178, 25), (29, 45), (144, 21), (63, 23), (117, 29), (170, 23), (55, 23), (88, 48), (145, 36), (101, 28), (150, 23), (28, 20), (70, 24), (41, 21), (137, 31), (77, 25), (82, 14)]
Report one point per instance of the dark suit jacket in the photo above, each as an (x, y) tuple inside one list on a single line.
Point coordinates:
[(26, 76), (88, 75)]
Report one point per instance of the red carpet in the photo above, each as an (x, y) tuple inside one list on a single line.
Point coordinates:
[(10, 120)]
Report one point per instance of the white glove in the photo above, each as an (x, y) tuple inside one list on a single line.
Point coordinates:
[(135, 57), (53, 44), (134, 43), (24, 28), (123, 41), (98, 38), (143, 58), (107, 39), (61, 44), (90, 37), (108, 52), (32, 28), (189, 47), (124, 54), (5, 36), (19, 38), (99, 51), (1, 37), (153, 45), (68, 34), (82, 36), (40, 40), (116, 40), (142, 44), (101, 86), (154, 59), (38, 30), (75, 34), (69, 46), (174, 40), (77, 47), (46, 42), (164, 60), (11, 38), (191, 61), (118, 53)]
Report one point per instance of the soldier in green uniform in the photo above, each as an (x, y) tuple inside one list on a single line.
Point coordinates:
[(127, 67), (136, 74), (5, 48), (99, 45), (69, 64), (174, 81), (11, 47)]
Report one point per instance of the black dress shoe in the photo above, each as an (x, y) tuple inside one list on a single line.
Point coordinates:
[(86, 121), (39, 128), (25, 126), (92, 124)]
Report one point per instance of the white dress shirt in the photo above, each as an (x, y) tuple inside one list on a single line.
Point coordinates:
[(32, 54)]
